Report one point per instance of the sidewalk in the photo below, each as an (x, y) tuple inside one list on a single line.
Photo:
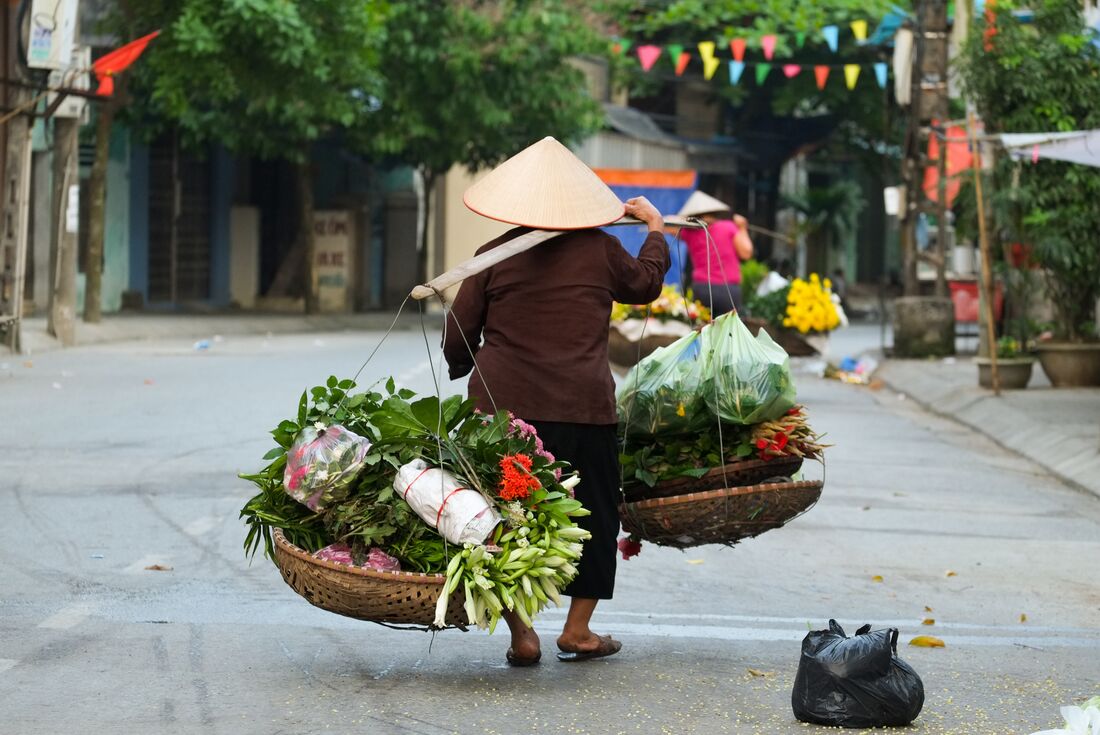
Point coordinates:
[(145, 326), (1058, 429)]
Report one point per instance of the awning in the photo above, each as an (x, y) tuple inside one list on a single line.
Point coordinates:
[(1078, 146)]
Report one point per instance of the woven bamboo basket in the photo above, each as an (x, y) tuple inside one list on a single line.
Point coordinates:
[(741, 472), (789, 339), (395, 598), (723, 516)]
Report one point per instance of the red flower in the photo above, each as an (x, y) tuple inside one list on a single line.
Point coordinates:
[(517, 481), (629, 546), (795, 411), (761, 443), (782, 440)]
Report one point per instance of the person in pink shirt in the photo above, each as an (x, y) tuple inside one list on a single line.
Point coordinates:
[(716, 253)]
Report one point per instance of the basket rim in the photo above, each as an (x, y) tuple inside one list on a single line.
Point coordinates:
[(301, 554), (726, 492)]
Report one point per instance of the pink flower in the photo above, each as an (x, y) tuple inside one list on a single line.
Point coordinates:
[(629, 547), (381, 561)]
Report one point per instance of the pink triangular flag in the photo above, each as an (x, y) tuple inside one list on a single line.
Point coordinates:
[(648, 56), (768, 44), (791, 70), (682, 62), (737, 48), (821, 73)]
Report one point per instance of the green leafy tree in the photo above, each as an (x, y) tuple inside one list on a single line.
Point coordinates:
[(471, 83), (1044, 76), (262, 77)]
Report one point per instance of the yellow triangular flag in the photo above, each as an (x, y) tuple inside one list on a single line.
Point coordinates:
[(710, 65), (859, 30), (706, 50), (851, 74)]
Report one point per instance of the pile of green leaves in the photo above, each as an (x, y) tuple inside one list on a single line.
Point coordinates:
[(685, 455), (771, 307), (399, 431)]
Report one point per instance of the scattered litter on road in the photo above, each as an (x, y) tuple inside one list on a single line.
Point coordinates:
[(950, 573), (695, 561), (1023, 617), (158, 568), (202, 344), (927, 609), (877, 578), (927, 641), (851, 370), (758, 672), (56, 386), (928, 621)]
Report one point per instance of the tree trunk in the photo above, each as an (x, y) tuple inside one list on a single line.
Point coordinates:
[(427, 178), (306, 241), (97, 210), (61, 321)]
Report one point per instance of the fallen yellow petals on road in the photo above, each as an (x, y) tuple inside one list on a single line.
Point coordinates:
[(928, 621), (876, 578), (927, 641)]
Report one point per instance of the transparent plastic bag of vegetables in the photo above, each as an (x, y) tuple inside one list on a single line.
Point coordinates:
[(321, 463), (662, 395), (747, 379)]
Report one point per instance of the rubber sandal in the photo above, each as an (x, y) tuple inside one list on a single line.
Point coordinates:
[(608, 647), (514, 660)]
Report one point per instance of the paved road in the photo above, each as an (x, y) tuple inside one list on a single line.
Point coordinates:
[(119, 457)]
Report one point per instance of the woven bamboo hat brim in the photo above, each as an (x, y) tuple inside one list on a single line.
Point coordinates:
[(699, 204), (545, 187)]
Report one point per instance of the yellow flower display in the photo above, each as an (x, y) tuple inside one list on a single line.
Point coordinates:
[(810, 306), (669, 306)]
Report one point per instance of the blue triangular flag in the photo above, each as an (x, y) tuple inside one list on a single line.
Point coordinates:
[(737, 68), (880, 73), (832, 36)]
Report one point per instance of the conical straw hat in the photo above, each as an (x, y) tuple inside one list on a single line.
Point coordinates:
[(699, 204), (545, 187)]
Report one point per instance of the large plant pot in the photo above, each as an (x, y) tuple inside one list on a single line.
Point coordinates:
[(1071, 364), (924, 326), (1013, 373)]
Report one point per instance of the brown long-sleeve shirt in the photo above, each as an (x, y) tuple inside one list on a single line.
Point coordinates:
[(544, 317)]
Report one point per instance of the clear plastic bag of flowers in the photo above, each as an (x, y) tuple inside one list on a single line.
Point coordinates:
[(321, 464), (747, 379), (662, 394)]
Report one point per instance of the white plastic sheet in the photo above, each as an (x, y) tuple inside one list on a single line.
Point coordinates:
[(461, 515)]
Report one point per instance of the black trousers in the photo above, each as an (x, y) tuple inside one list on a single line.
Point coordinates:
[(593, 451)]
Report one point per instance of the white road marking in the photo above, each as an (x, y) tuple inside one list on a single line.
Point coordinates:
[(146, 561), (68, 616), (1020, 628), (199, 526), (7, 663), (717, 632)]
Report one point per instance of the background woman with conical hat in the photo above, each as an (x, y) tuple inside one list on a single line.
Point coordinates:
[(716, 275), (538, 324)]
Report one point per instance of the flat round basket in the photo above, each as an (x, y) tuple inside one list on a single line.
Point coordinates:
[(789, 339), (622, 351), (723, 516), (396, 598), (741, 472)]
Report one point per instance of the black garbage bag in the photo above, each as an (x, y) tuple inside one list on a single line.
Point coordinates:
[(855, 682)]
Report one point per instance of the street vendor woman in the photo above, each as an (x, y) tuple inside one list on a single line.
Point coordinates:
[(537, 326), (716, 253)]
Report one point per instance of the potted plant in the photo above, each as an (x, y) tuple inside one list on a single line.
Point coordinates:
[(639, 329), (1013, 365), (799, 316), (1044, 76)]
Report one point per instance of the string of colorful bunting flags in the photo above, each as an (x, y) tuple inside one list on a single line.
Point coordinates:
[(649, 54)]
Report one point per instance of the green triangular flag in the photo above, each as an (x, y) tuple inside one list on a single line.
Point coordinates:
[(674, 51), (762, 70), (800, 38)]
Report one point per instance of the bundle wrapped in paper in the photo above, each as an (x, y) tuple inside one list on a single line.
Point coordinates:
[(460, 514)]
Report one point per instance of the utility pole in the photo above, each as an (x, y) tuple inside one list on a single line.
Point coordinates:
[(61, 322)]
